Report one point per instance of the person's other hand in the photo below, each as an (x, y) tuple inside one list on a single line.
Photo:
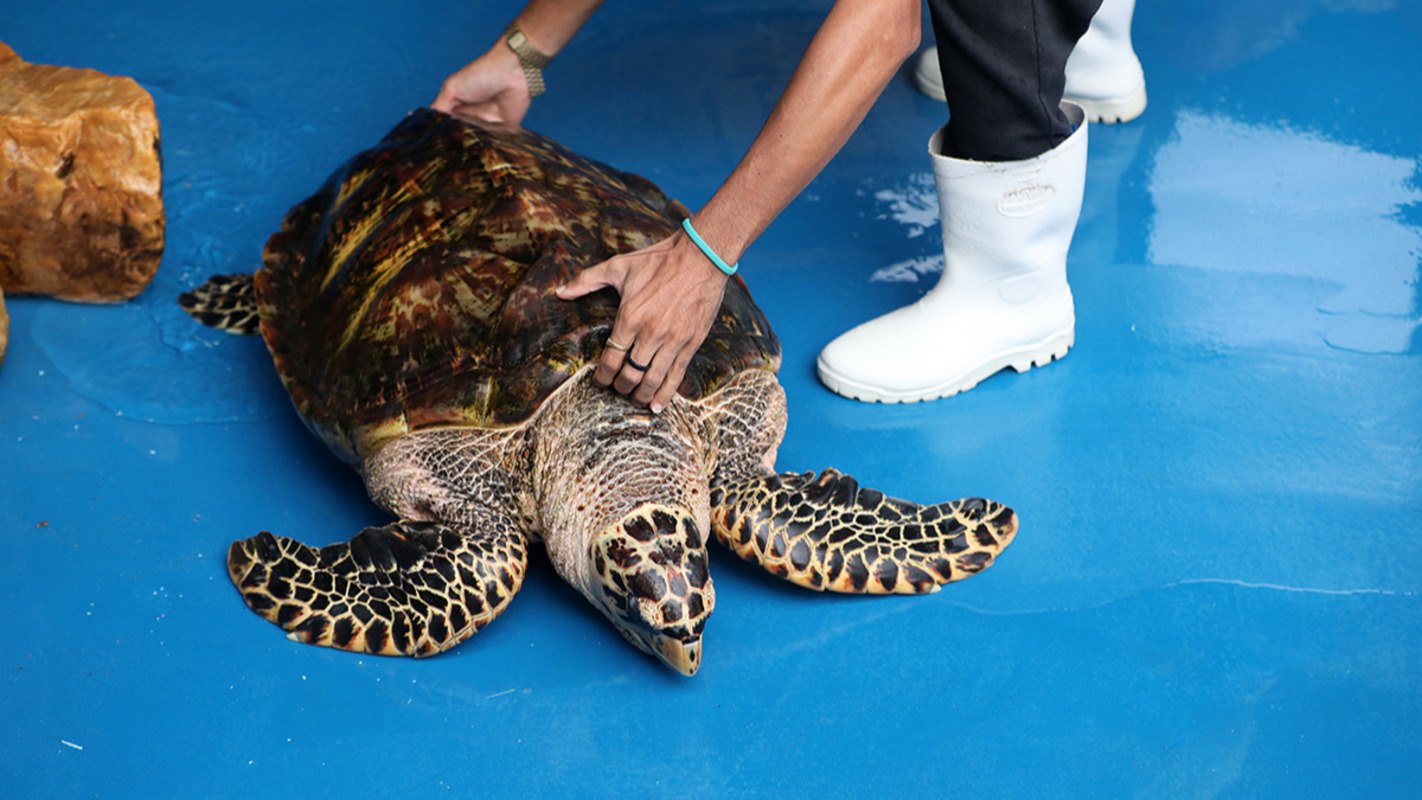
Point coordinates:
[(670, 296), (491, 89)]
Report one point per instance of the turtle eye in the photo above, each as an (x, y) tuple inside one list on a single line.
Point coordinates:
[(651, 569)]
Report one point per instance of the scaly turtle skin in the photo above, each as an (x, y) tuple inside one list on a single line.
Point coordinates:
[(409, 308)]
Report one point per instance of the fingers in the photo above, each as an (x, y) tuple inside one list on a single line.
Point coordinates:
[(620, 341), (659, 373), (637, 364), (647, 357), (666, 310), (655, 374), (490, 90), (667, 389), (445, 100), (635, 369), (590, 280), (452, 92), (619, 344)]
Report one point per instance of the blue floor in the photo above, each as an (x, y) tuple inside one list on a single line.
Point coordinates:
[(1217, 590)]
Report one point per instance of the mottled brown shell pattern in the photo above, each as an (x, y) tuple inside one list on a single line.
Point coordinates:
[(415, 289)]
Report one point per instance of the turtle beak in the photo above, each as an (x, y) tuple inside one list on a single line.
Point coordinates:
[(684, 656), (681, 654), (660, 628)]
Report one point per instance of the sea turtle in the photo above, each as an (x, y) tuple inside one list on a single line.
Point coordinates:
[(409, 309)]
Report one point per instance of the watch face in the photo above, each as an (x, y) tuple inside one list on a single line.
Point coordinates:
[(518, 40)]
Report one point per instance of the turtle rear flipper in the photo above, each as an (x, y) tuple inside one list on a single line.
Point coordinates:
[(224, 302), (827, 533), (408, 588)]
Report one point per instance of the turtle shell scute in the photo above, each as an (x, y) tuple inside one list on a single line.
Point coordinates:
[(416, 288)]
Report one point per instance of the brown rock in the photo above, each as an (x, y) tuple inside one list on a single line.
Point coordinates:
[(81, 204)]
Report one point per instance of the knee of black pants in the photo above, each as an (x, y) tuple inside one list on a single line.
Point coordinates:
[(1004, 70)]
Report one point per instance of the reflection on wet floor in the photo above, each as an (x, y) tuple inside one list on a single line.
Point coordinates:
[(1248, 199)]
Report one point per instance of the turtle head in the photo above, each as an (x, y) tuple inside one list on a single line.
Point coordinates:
[(649, 577)]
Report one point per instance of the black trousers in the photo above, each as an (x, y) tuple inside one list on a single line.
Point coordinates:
[(1004, 69)]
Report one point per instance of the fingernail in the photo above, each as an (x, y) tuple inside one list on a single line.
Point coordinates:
[(657, 408)]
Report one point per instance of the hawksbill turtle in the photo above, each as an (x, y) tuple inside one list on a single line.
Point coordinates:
[(409, 309)]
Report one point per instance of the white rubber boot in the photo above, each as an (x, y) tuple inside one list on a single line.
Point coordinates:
[(928, 76), (1003, 300), (1103, 74)]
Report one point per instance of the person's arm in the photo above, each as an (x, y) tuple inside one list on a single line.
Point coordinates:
[(492, 88), (670, 292)]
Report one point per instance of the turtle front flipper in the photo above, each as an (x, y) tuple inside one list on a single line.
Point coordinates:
[(405, 589), (827, 533), (224, 302)]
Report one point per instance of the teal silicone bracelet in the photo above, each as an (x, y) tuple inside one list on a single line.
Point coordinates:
[(729, 269)]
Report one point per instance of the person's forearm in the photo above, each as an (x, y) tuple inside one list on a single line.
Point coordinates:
[(549, 24), (857, 50)]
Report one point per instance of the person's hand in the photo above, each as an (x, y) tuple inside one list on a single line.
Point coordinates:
[(491, 89), (670, 296)]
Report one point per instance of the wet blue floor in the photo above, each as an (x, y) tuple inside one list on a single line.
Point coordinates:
[(1217, 590)]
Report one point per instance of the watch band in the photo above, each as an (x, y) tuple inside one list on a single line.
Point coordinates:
[(529, 58)]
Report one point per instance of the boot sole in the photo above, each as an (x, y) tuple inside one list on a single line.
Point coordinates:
[(1106, 111), (1038, 355), (1113, 110)]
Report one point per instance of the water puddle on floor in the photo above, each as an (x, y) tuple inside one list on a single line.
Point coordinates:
[(146, 360), (1270, 201)]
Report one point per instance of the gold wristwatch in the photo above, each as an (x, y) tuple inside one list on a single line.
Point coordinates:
[(529, 58)]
